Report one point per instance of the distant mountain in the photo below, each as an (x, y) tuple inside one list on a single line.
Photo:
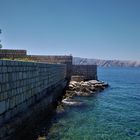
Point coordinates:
[(105, 63)]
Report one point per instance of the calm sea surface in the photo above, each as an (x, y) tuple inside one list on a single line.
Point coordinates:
[(113, 114)]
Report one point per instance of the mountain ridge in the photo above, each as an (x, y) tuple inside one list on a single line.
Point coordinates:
[(105, 63)]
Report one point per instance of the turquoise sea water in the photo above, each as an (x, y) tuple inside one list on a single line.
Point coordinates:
[(113, 114)]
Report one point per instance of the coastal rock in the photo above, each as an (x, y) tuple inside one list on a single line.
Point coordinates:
[(82, 93), (72, 102), (85, 88), (60, 108), (82, 88), (95, 82)]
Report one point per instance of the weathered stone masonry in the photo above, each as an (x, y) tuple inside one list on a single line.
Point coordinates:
[(64, 59), (22, 84), (89, 72), (6, 53), (51, 59)]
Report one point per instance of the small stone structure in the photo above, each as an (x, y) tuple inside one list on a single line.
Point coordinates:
[(88, 71), (77, 78)]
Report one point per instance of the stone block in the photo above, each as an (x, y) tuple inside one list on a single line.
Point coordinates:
[(2, 107)]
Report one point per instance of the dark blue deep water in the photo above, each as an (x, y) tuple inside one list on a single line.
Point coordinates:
[(113, 114)]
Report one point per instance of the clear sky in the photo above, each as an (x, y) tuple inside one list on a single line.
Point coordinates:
[(104, 29)]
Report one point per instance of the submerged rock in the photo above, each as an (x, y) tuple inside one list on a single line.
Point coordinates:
[(131, 132)]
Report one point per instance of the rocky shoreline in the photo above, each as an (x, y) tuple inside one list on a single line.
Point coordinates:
[(83, 88)]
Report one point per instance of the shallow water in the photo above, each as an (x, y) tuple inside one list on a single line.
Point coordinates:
[(113, 114)]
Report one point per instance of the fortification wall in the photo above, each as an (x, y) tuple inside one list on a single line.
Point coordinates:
[(57, 59), (54, 60), (88, 71), (51, 59), (7, 53), (23, 84)]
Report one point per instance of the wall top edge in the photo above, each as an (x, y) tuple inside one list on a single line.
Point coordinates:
[(16, 62)]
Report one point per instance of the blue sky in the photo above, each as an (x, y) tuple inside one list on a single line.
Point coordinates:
[(104, 29)]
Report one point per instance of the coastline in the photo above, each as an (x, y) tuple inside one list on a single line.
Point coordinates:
[(83, 88)]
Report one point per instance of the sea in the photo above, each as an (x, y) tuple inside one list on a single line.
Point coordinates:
[(113, 114)]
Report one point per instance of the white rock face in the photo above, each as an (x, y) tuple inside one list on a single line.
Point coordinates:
[(95, 82), (87, 87)]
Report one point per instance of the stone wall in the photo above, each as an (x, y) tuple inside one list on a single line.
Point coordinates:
[(7, 53), (88, 71), (53, 59), (57, 59), (22, 84)]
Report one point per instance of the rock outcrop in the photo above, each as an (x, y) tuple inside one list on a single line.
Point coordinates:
[(82, 88)]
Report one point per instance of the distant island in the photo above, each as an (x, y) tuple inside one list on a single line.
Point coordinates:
[(105, 63)]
